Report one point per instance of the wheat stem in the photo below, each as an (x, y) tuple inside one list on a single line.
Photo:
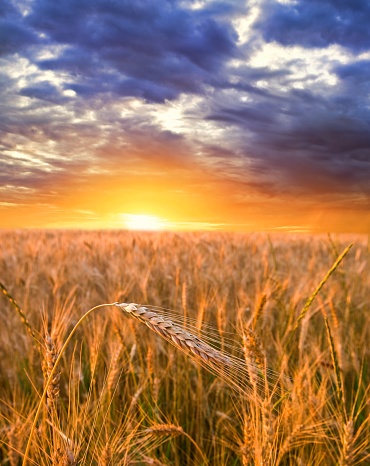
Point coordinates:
[(334, 356), (51, 375), (311, 299)]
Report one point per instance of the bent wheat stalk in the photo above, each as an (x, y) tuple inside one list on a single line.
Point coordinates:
[(233, 370)]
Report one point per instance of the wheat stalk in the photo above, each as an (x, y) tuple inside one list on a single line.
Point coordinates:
[(254, 356), (338, 373), (106, 456), (165, 429), (50, 378), (51, 356), (348, 444), (152, 461), (311, 299), (13, 453), (247, 446), (268, 429), (155, 435), (115, 370), (63, 457), (235, 371), (21, 314)]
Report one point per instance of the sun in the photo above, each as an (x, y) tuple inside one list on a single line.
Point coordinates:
[(143, 222)]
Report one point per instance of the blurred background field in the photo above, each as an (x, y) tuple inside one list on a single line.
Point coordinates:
[(125, 396)]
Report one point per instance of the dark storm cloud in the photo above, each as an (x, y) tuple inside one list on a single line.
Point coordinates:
[(314, 140), (13, 34), (154, 50), (302, 142), (357, 73), (317, 23)]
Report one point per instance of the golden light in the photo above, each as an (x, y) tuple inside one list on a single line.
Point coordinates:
[(143, 222)]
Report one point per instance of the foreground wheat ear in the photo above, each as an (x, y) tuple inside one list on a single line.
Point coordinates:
[(242, 376)]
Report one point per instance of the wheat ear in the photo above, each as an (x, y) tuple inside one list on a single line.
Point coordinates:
[(21, 314), (165, 429), (13, 438), (311, 299), (63, 457), (158, 432), (233, 370), (348, 444), (106, 456), (51, 357)]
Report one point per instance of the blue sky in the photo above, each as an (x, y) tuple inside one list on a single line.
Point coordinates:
[(259, 108)]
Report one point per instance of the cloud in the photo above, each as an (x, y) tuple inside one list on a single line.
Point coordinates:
[(357, 72), (153, 50), (301, 142), (44, 91), (277, 110), (14, 35), (317, 23)]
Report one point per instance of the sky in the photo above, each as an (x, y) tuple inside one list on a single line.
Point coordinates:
[(218, 115)]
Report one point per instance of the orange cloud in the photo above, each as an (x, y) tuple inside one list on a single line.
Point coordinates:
[(183, 197)]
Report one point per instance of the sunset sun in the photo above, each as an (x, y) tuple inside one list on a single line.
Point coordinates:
[(143, 222)]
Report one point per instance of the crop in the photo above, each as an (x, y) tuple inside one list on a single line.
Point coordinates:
[(253, 349)]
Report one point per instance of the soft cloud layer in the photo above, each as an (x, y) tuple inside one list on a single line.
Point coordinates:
[(257, 107)]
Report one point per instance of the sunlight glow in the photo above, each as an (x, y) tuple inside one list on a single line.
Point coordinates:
[(143, 222)]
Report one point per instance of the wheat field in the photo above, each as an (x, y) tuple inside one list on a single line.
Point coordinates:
[(242, 350)]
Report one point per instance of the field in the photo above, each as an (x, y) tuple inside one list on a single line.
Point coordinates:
[(123, 395)]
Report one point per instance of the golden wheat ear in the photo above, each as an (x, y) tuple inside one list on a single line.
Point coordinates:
[(236, 372)]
